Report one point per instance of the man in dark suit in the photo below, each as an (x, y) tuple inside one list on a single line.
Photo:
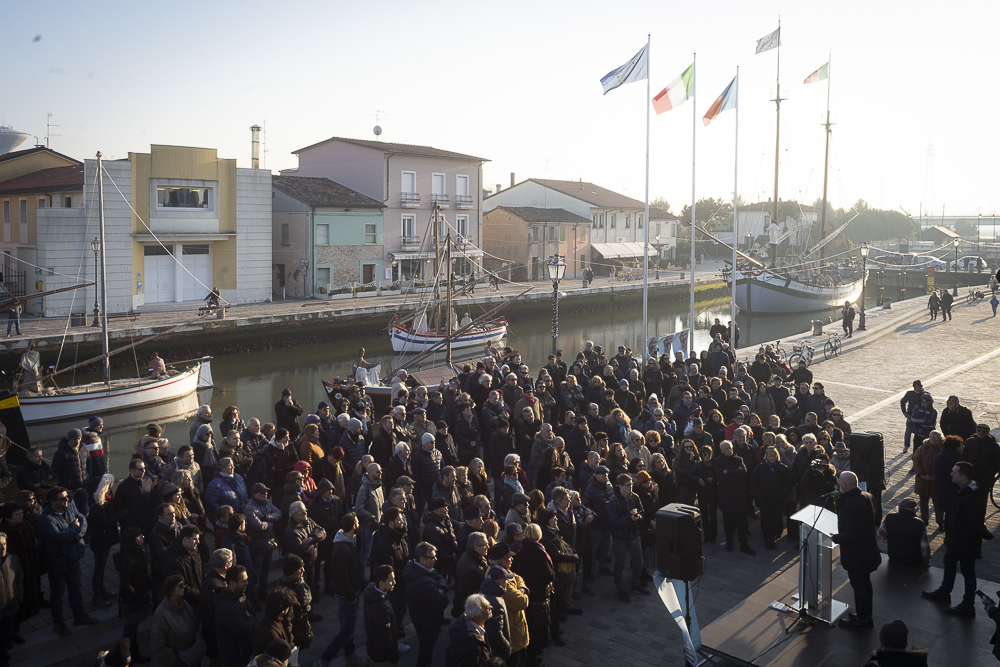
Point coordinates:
[(963, 541), (859, 554)]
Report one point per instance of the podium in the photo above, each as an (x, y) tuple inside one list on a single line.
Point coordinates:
[(816, 554)]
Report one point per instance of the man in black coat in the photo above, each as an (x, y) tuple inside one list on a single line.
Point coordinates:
[(956, 419), (731, 472), (859, 554), (165, 531), (771, 482), (983, 453), (211, 590), (235, 619), (347, 585), (286, 414), (469, 645), (389, 547), (963, 541), (910, 400), (183, 559), (134, 499), (36, 474), (426, 598)]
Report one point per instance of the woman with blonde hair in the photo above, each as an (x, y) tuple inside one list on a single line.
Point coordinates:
[(103, 535), (534, 565), (572, 395), (618, 425)]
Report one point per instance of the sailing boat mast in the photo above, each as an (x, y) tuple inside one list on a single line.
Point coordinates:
[(777, 129), (826, 166), (447, 275), (103, 272), (437, 267)]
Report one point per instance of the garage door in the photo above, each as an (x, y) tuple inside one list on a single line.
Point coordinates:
[(198, 264), (160, 269)]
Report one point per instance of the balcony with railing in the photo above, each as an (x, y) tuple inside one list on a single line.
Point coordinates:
[(441, 200), (410, 242), (463, 201), (409, 200)]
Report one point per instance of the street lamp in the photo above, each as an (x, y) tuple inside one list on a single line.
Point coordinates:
[(657, 256), (864, 276), (749, 241), (954, 290), (557, 270), (96, 245)]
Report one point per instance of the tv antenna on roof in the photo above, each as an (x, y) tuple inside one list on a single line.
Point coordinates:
[(378, 128)]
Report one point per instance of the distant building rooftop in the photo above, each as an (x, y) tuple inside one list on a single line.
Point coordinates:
[(322, 192), (400, 149), (56, 179)]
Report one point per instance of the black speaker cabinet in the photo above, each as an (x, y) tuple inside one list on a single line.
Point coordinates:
[(678, 542), (868, 463)]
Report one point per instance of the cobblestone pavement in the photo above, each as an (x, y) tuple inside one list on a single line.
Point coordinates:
[(877, 367)]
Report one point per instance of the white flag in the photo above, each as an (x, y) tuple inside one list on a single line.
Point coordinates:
[(769, 42), (635, 69)]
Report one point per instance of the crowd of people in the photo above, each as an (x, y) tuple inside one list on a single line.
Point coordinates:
[(489, 505)]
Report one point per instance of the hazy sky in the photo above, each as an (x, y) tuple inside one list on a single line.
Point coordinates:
[(519, 83)]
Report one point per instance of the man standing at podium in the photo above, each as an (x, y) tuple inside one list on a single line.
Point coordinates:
[(859, 554)]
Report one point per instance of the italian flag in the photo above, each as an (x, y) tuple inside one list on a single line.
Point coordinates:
[(820, 74), (676, 93)]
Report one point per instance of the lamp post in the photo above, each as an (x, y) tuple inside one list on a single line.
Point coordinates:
[(954, 290), (557, 270), (864, 275), (749, 241), (96, 245), (657, 256)]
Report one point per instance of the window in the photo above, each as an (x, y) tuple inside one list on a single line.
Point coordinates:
[(583, 262), (322, 234), (408, 229), (437, 184), (371, 233), (157, 250), (551, 233), (595, 220), (284, 234), (323, 276), (534, 233), (562, 233), (68, 202), (639, 218), (614, 221), (583, 234), (23, 211), (168, 196), (657, 229), (6, 211), (197, 249), (41, 202), (462, 225), (408, 184), (462, 186), (628, 223)]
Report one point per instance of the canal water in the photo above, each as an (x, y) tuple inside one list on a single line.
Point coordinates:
[(254, 381)]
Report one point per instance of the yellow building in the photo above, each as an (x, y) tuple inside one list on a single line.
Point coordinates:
[(178, 221)]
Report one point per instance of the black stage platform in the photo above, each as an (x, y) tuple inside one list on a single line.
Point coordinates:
[(753, 634)]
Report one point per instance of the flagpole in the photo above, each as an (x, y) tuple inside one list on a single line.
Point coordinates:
[(645, 222), (736, 238), (694, 126)]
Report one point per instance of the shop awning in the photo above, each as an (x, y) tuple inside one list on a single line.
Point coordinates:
[(620, 250), (411, 255)]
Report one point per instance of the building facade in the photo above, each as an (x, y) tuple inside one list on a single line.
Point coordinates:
[(548, 231), (409, 181), (32, 182), (617, 224), (178, 221), (325, 236)]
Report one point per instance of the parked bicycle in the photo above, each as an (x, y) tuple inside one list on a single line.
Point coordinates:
[(801, 353), (832, 346), (975, 296)]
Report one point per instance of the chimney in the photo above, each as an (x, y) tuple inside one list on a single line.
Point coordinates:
[(511, 179), (255, 146), (497, 190)]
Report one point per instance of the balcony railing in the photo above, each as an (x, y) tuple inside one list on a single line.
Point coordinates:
[(440, 200), (409, 200), (463, 201), (410, 242)]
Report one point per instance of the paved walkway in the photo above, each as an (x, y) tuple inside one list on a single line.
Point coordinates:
[(159, 317), (960, 357)]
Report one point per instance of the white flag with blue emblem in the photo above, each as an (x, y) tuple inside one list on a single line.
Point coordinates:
[(768, 42), (635, 69)]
